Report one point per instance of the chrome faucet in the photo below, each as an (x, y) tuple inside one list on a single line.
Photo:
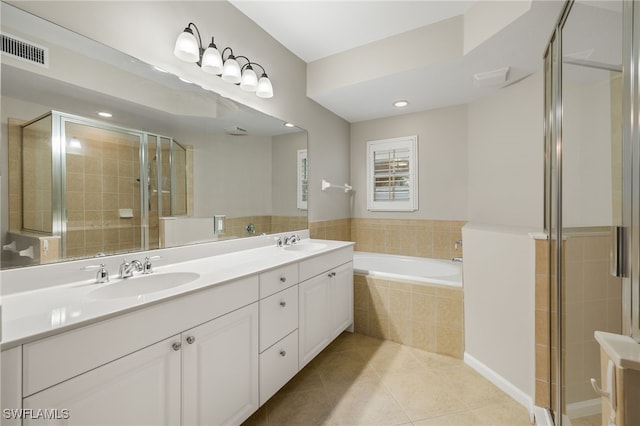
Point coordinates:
[(126, 268), (457, 259), (291, 240)]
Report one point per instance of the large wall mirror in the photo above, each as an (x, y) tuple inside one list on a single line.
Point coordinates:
[(172, 164)]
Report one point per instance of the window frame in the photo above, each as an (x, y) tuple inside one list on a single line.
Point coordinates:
[(302, 156), (406, 142)]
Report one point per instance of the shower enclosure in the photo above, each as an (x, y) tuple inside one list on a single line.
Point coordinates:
[(592, 202), (99, 187)]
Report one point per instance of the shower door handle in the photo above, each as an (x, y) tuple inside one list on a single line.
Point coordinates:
[(618, 254)]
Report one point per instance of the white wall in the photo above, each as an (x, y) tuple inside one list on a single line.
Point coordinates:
[(506, 187), (148, 31), (442, 169), (499, 279), (506, 156)]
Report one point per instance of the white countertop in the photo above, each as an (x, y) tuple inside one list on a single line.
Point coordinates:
[(623, 350), (32, 315)]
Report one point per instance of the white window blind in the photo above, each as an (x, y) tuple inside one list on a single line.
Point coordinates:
[(303, 179), (392, 174)]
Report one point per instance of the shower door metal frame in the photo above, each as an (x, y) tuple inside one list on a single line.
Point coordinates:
[(630, 182), (59, 120)]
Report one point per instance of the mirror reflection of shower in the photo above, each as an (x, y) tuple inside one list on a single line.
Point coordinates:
[(96, 187)]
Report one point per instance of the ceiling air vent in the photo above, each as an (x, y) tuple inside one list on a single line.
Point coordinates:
[(24, 50)]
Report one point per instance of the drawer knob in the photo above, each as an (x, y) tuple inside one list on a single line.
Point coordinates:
[(283, 353), (332, 274), (283, 303), (283, 279), (190, 339), (176, 346)]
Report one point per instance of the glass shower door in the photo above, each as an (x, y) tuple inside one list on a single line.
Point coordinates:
[(587, 202), (103, 189)]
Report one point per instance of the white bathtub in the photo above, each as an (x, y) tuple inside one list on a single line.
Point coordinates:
[(408, 268)]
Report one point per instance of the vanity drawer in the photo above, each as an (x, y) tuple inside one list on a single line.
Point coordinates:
[(278, 365), (318, 264), (278, 316), (278, 279)]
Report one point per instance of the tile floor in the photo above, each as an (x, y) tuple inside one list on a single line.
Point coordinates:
[(359, 380)]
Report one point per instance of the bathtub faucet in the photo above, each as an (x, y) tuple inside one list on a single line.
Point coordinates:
[(457, 259)]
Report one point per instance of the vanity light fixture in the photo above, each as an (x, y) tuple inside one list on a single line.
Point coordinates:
[(189, 48)]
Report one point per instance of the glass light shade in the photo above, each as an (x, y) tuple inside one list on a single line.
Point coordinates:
[(249, 80), (265, 89), (212, 61), (187, 47), (231, 71)]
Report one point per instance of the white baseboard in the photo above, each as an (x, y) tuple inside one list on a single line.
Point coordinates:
[(584, 408), (502, 383)]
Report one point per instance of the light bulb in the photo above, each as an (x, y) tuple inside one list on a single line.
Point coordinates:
[(187, 47), (231, 70), (249, 80), (265, 89), (211, 60)]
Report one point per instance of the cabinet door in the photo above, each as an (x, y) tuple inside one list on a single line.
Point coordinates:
[(142, 388), (220, 369), (341, 298), (314, 323)]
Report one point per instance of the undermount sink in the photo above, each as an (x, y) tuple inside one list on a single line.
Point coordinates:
[(144, 284), (305, 246)]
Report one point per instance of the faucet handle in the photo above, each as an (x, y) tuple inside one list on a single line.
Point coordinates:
[(102, 275), (147, 267)]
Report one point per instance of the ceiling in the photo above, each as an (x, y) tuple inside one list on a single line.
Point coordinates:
[(317, 30)]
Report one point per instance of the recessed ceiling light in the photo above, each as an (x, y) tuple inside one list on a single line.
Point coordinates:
[(400, 104), (289, 125), (105, 114)]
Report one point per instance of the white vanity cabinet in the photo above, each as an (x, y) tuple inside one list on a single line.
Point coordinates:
[(211, 356), (142, 388), (326, 301), (205, 372), (220, 369), (11, 391)]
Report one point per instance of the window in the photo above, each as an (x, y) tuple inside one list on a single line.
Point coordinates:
[(392, 175), (303, 179)]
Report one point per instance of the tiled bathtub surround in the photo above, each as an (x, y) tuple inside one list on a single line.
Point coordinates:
[(428, 317), (332, 230), (423, 238)]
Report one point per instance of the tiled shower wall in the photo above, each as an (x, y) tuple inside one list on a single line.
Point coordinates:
[(592, 301), (102, 179)]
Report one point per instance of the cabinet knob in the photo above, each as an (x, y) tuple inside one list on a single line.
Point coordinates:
[(283, 303), (332, 274), (283, 279), (283, 353), (190, 339), (176, 346)]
